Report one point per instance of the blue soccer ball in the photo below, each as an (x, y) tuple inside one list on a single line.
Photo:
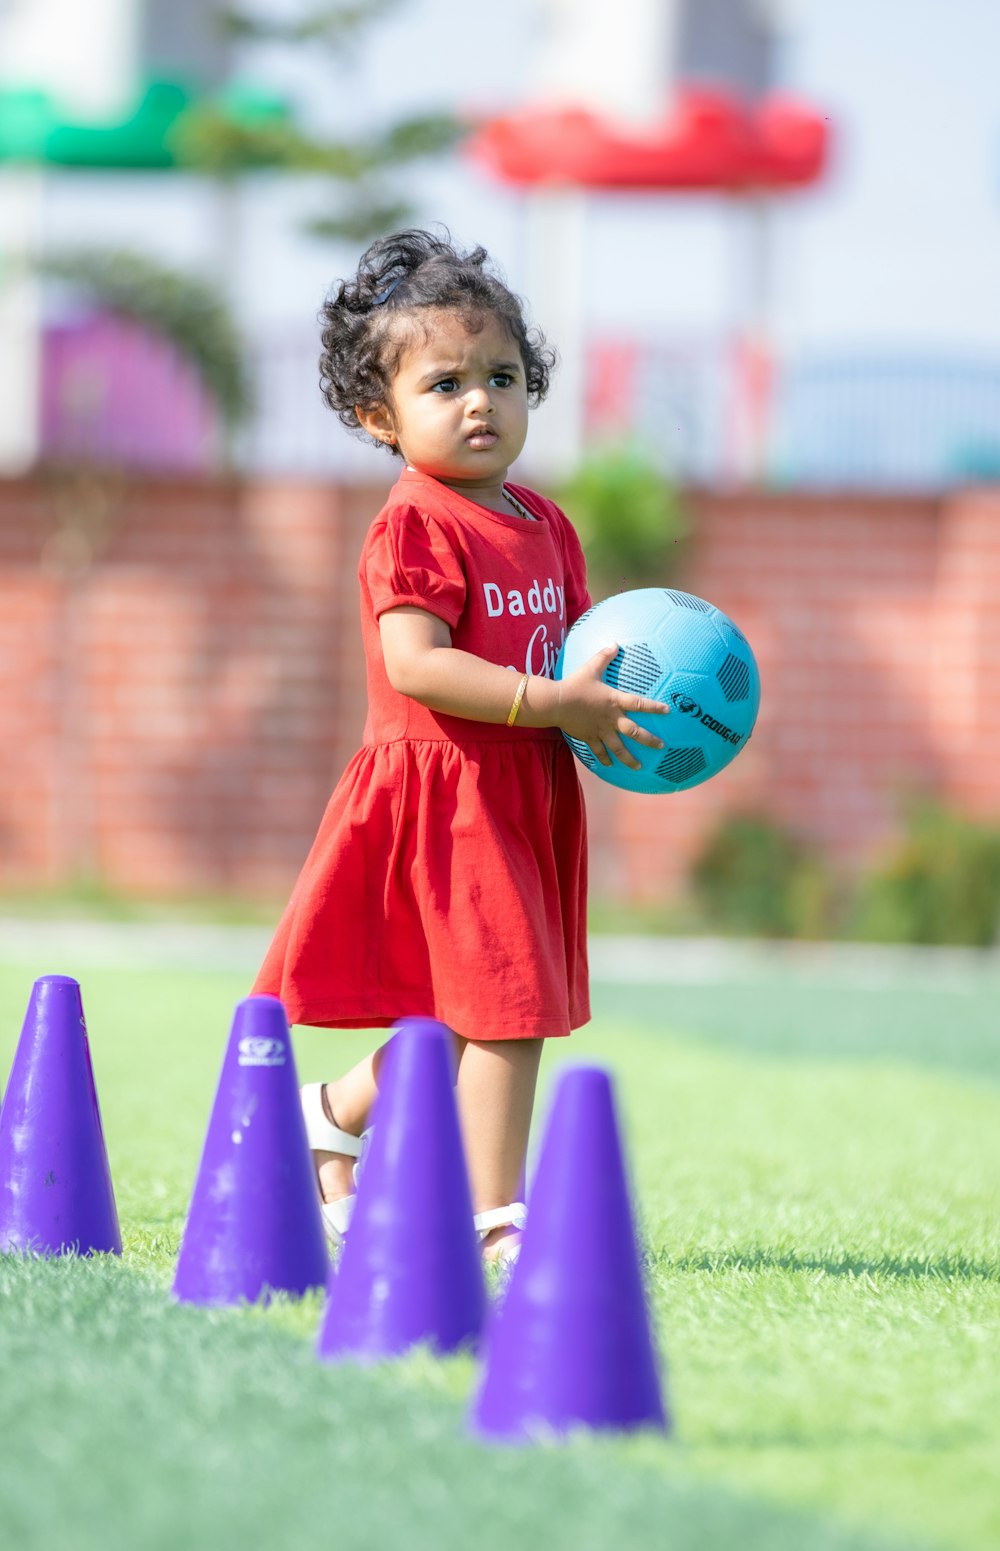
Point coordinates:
[(679, 649)]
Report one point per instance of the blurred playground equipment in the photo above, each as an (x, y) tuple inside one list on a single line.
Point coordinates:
[(695, 107)]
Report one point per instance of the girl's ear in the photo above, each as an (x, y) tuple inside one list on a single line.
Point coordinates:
[(377, 421)]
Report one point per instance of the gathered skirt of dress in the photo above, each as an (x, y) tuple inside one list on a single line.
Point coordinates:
[(448, 881)]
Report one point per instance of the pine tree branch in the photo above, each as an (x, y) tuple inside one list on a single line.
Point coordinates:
[(212, 140), (335, 26), (428, 134), (360, 222)]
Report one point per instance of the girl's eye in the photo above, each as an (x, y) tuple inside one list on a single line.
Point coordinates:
[(501, 380), (446, 385)]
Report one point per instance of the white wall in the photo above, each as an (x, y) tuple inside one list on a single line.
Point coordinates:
[(80, 51)]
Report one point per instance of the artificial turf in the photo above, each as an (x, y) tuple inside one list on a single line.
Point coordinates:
[(816, 1167)]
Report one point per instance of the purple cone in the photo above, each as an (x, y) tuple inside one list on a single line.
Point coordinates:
[(55, 1184), (254, 1225), (572, 1346), (410, 1271)]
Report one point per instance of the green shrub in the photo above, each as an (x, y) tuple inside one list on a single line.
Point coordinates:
[(756, 877), (940, 884), (628, 516)]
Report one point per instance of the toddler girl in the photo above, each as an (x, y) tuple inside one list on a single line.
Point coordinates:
[(448, 876)]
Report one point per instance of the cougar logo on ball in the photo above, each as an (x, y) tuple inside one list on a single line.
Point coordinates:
[(685, 704)]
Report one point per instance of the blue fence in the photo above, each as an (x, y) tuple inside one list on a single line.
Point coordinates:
[(886, 422), (710, 412), (920, 422), (722, 413)]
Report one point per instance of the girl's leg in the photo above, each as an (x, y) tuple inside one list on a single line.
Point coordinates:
[(348, 1103), (496, 1095)]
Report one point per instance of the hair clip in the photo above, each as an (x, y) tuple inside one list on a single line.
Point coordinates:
[(383, 296)]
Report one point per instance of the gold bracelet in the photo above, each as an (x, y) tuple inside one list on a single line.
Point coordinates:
[(518, 697)]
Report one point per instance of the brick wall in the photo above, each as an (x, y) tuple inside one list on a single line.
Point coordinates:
[(180, 680), (839, 598)]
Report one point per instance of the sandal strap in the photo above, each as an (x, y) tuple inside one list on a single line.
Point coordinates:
[(337, 1218), (513, 1216), (364, 1142), (321, 1133)]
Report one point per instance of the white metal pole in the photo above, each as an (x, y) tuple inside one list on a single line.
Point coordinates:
[(556, 247), (21, 193)]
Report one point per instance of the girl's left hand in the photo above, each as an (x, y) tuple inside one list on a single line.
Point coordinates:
[(600, 716)]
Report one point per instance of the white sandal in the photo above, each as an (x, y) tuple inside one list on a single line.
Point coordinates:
[(323, 1136), (513, 1216)]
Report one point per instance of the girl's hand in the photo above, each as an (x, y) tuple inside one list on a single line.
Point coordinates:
[(599, 716)]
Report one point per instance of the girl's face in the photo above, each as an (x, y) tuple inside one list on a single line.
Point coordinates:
[(459, 407)]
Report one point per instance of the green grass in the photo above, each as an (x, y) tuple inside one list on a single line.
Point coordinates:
[(91, 899), (816, 1169)]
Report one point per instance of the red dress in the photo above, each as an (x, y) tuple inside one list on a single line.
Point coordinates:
[(448, 877)]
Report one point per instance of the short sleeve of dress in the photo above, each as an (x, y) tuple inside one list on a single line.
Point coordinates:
[(409, 559)]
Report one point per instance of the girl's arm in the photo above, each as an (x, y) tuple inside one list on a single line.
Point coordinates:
[(421, 662)]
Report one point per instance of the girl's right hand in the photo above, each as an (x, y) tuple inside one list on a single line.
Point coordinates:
[(600, 716)]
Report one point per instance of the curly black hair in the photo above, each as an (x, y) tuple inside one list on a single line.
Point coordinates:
[(400, 275)]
